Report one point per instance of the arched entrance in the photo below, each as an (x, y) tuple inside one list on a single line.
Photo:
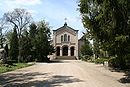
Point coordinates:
[(57, 51), (72, 51), (65, 50)]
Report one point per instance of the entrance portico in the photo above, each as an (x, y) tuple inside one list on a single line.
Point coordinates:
[(65, 51)]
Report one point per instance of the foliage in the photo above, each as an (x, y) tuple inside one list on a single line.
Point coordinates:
[(107, 21), (85, 58), (42, 44), (5, 67), (96, 48), (113, 63), (7, 50), (2, 27), (13, 53), (33, 30), (32, 35), (86, 48), (19, 18), (101, 60), (25, 47)]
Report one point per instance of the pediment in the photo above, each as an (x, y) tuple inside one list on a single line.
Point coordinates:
[(66, 30)]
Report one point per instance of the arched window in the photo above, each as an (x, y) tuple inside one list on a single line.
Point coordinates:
[(68, 37), (61, 38), (65, 37)]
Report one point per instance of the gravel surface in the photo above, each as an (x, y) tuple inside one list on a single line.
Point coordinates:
[(67, 73)]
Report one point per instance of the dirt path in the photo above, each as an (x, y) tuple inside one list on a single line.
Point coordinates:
[(62, 74)]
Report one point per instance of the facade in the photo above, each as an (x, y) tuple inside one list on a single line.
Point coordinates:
[(65, 42)]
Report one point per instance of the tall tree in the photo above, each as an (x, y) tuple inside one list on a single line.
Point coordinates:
[(33, 30), (32, 35), (96, 49), (86, 49), (2, 27), (13, 53), (19, 18), (107, 22), (26, 47), (42, 41)]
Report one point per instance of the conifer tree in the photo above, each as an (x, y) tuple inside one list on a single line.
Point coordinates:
[(42, 41), (32, 36), (14, 45), (25, 47), (107, 21)]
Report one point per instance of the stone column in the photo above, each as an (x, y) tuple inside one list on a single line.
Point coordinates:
[(69, 51), (60, 51), (76, 46), (75, 52)]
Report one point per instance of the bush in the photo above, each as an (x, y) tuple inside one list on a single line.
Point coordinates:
[(127, 60), (113, 62), (100, 60), (10, 62), (85, 58)]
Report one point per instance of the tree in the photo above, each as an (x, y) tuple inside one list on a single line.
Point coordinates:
[(33, 30), (42, 41), (19, 18), (86, 48), (108, 23), (32, 35), (25, 47), (13, 53), (2, 26), (96, 49)]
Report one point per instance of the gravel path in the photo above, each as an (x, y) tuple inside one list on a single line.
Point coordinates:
[(69, 73)]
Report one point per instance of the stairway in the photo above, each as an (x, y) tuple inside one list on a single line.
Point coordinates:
[(66, 57)]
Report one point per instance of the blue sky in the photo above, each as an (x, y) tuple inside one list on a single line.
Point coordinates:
[(52, 11)]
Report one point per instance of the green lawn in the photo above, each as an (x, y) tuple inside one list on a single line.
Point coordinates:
[(5, 67)]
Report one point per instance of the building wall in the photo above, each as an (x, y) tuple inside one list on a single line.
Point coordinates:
[(72, 37), (72, 43)]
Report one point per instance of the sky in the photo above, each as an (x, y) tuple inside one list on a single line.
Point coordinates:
[(52, 11)]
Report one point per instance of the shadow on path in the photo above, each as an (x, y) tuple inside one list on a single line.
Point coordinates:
[(125, 79), (56, 61), (35, 79)]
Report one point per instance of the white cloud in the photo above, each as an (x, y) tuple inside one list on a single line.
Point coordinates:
[(22, 2), (7, 5)]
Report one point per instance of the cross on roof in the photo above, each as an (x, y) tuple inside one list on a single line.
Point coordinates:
[(65, 19)]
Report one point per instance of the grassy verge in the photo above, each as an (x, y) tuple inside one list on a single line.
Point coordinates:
[(5, 67)]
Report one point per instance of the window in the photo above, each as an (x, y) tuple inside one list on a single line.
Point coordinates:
[(65, 37), (68, 37), (61, 38)]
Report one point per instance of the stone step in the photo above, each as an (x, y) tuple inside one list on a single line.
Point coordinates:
[(66, 57)]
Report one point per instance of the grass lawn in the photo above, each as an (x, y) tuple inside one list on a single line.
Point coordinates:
[(5, 67)]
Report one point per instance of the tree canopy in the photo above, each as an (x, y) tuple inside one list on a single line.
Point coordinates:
[(107, 22)]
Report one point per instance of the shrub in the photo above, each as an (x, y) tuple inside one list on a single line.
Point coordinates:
[(127, 60), (100, 60), (113, 62), (10, 62), (85, 57)]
